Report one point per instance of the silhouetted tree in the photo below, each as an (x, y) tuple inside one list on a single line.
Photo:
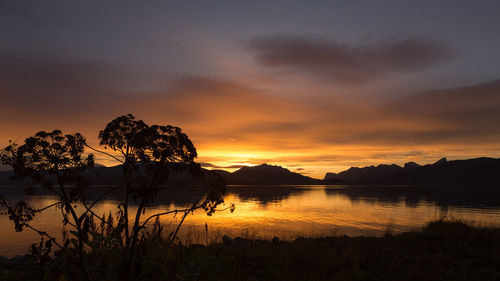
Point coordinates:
[(54, 161), (148, 154)]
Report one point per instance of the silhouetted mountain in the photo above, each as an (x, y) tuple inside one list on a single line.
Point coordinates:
[(410, 165), (366, 174), (440, 162), (478, 170), (266, 174), (105, 175)]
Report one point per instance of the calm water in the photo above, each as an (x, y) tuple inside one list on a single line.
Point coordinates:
[(290, 211)]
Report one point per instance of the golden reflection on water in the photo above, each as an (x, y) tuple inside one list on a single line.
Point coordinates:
[(310, 212)]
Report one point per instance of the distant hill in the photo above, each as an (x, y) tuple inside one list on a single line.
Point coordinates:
[(268, 175), (366, 174), (478, 170)]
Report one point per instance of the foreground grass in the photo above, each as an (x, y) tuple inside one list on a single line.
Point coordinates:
[(442, 250)]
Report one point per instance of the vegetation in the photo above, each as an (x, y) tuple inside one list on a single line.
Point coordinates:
[(99, 246), (126, 245), (442, 250)]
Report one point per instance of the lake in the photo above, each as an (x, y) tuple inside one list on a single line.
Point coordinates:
[(288, 212)]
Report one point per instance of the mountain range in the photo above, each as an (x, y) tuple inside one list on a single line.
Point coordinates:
[(478, 170)]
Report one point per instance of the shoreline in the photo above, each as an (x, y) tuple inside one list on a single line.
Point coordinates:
[(441, 250)]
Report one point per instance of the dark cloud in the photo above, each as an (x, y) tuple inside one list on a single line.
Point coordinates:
[(213, 166), (207, 165), (392, 155), (343, 62), (463, 113), (478, 102), (45, 80), (41, 92)]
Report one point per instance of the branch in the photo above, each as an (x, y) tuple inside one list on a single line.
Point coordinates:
[(174, 235), (175, 211), (47, 207), (43, 233), (161, 214), (101, 196), (105, 153), (89, 210)]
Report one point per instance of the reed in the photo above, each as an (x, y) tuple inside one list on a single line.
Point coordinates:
[(445, 249)]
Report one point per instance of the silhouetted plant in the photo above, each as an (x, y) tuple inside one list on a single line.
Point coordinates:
[(148, 154), (54, 161)]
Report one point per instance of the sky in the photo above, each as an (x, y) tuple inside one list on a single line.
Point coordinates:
[(314, 86)]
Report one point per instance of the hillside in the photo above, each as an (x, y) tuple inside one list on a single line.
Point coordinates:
[(478, 170), (366, 174), (266, 174)]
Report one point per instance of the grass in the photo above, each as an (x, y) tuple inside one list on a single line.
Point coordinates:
[(441, 250)]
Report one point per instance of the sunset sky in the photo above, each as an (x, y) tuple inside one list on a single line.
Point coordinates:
[(314, 86)]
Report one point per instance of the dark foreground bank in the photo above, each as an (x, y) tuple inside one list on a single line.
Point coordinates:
[(442, 250)]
